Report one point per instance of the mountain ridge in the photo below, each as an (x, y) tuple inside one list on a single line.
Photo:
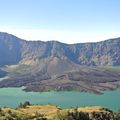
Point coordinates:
[(9, 34), (51, 65), (90, 54)]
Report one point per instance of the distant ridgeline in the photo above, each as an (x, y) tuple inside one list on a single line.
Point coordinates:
[(14, 50)]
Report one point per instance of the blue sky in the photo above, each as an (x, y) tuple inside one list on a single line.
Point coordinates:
[(68, 21)]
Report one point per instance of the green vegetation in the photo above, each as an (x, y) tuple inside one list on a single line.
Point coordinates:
[(67, 115), (26, 111), (117, 114), (24, 105)]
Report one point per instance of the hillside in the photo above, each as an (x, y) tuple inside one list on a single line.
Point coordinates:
[(49, 112), (90, 54), (51, 65)]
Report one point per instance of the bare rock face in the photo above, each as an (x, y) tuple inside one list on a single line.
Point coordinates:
[(14, 50)]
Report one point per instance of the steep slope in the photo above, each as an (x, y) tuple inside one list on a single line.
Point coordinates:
[(15, 50), (10, 49), (89, 54)]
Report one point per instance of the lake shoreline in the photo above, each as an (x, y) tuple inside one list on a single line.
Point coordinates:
[(11, 97)]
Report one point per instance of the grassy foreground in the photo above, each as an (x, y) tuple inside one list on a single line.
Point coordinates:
[(48, 112)]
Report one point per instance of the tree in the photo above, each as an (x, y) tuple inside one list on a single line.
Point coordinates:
[(24, 105)]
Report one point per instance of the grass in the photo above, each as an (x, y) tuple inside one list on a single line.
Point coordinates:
[(49, 112)]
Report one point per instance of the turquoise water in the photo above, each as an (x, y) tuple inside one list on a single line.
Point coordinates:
[(11, 97)]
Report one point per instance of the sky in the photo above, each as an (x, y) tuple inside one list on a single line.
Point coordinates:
[(68, 21)]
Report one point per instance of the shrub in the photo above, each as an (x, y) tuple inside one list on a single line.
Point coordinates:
[(67, 115), (24, 105)]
